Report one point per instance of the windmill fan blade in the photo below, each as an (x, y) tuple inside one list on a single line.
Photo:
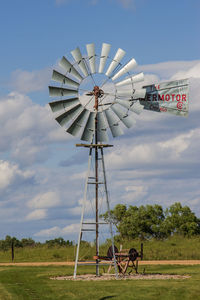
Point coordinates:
[(68, 115), (139, 94), (68, 67), (76, 53), (78, 123), (133, 79), (133, 106), (116, 60), (126, 119), (89, 128), (102, 136), (56, 76), (59, 92), (104, 54), (128, 92), (113, 123), (62, 104), (91, 56), (101, 128), (129, 66), (132, 93)]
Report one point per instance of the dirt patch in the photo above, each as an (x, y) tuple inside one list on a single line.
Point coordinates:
[(89, 277), (71, 263)]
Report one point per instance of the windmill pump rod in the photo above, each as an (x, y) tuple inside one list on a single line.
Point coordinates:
[(97, 93)]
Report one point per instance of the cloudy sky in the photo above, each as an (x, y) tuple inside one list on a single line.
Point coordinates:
[(41, 170)]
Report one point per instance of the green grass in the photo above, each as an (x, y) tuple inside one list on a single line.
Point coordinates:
[(173, 248), (34, 283)]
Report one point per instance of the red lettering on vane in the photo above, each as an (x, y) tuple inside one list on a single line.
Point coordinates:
[(163, 109), (167, 97), (184, 97), (161, 97), (179, 105)]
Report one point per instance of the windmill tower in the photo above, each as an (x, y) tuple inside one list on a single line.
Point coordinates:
[(94, 93)]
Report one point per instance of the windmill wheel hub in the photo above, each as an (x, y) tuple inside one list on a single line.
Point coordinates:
[(96, 92)]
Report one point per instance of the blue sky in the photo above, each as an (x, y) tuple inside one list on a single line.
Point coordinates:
[(41, 171)]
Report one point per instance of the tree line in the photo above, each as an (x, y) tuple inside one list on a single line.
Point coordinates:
[(152, 221), (29, 242)]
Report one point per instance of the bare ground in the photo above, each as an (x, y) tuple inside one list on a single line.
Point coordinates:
[(88, 277), (71, 263)]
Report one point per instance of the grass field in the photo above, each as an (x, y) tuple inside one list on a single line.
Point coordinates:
[(34, 283), (173, 248)]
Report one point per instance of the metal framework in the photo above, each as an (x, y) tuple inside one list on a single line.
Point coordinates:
[(97, 147)]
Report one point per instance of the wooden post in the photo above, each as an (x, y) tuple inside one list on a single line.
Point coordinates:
[(12, 250)]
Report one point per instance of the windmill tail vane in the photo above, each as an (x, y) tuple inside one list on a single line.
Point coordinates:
[(117, 96)]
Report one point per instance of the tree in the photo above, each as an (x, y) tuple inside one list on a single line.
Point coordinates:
[(151, 221), (132, 222), (27, 242), (181, 220)]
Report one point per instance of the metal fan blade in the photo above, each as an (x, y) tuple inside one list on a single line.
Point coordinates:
[(133, 79), (136, 107), (59, 92), (132, 93), (133, 106), (68, 67), (62, 104), (129, 66), (89, 128), (116, 60), (126, 119), (58, 77), (91, 57), (68, 115), (101, 124), (101, 128), (139, 94), (76, 53), (113, 123), (78, 123), (104, 54), (128, 92), (102, 136)]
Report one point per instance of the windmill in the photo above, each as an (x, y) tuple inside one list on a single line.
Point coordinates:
[(94, 93)]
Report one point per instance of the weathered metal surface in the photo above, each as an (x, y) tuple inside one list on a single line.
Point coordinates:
[(168, 97)]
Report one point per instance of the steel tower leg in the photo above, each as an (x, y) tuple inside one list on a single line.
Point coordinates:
[(108, 208), (82, 213)]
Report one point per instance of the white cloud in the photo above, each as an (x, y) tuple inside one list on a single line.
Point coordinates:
[(45, 200), (38, 214), (180, 143), (166, 70), (193, 72), (10, 174), (26, 82), (58, 231), (27, 129), (162, 152)]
